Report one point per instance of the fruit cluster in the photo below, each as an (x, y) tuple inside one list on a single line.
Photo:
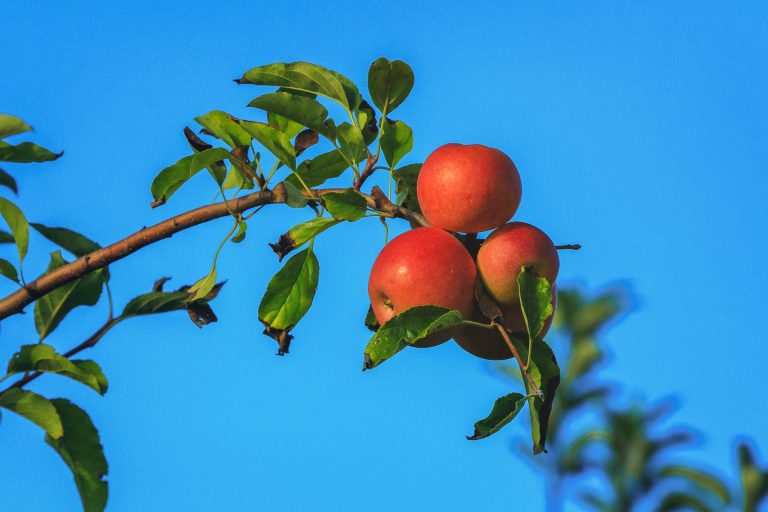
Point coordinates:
[(464, 189)]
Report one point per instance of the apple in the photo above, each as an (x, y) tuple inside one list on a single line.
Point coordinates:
[(468, 188), (421, 267), (488, 344), (506, 251)]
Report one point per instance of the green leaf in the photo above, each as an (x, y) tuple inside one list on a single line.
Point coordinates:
[(306, 77), (222, 126), (700, 478), (35, 408), (316, 171), (81, 449), (12, 125), (406, 328), (504, 410), (389, 83), (348, 205), (535, 300), (754, 480), (301, 109), (25, 153), (396, 141), (70, 241), (371, 322), (274, 140), (405, 181), (171, 178), (290, 292), (155, 302), (8, 270), (240, 235), (203, 287), (546, 374), (6, 180), (51, 309), (351, 141), (300, 234), (675, 501), (293, 196), (18, 224), (43, 358), (6, 238)]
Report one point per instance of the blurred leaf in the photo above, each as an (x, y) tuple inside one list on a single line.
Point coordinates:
[(34, 407), (371, 322), (274, 140), (572, 457), (405, 180), (223, 126), (351, 141), (6, 180), (702, 479), (171, 178), (12, 125), (306, 77), (18, 224), (396, 141), (406, 328), (681, 501), (43, 358), (754, 480), (389, 83), (290, 292), (25, 153), (6, 238), (301, 109), (584, 355), (240, 235), (81, 449), (300, 234), (535, 300), (504, 410), (316, 171), (8, 270), (348, 205), (51, 309), (203, 287)]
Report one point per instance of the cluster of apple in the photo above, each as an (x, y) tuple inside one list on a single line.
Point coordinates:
[(464, 189)]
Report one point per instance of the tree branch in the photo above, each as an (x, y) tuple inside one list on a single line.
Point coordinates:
[(369, 164), (46, 283)]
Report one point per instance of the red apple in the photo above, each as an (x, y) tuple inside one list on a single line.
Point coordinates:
[(488, 344), (509, 248), (468, 188), (421, 267)]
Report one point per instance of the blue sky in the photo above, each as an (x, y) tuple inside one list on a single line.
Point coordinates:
[(639, 132)]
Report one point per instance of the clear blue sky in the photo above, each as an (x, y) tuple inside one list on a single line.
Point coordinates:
[(639, 130)]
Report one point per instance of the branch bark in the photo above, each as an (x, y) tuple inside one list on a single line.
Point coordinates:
[(46, 283)]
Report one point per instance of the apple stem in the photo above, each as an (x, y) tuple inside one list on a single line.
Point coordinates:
[(572, 247)]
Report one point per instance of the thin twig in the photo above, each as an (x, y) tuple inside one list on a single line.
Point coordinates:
[(523, 368), (572, 247), (369, 168)]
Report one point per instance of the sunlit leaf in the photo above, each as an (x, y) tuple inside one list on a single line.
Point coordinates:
[(222, 126), (535, 300), (171, 178), (43, 358), (291, 291), (12, 125), (273, 140), (316, 171), (396, 141), (300, 234), (301, 109), (389, 83), (504, 410), (33, 407), (18, 224), (348, 205)]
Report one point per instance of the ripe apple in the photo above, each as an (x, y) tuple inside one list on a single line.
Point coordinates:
[(488, 344), (421, 267), (509, 248), (468, 188)]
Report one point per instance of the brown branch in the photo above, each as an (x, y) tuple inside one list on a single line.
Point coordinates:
[(523, 367), (15, 302), (369, 164)]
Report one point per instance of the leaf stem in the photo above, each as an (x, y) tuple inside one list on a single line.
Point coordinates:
[(523, 367)]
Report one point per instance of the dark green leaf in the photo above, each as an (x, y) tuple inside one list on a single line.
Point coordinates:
[(8, 270), (171, 178), (704, 480), (298, 108), (675, 501), (546, 375), (35, 408), (306, 77), (316, 171), (405, 181), (43, 358), (504, 410), (299, 235), (18, 224), (6, 238), (222, 126), (351, 141), (26, 152), (389, 83), (348, 205), (290, 292), (155, 302), (274, 140), (396, 141), (6, 180), (67, 239), (12, 125), (240, 235), (51, 309), (754, 480), (405, 329), (81, 449), (535, 300), (293, 196), (371, 322)]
